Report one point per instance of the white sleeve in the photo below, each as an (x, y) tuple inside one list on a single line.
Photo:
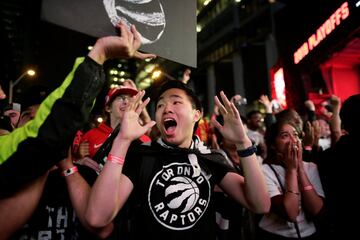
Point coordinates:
[(272, 183)]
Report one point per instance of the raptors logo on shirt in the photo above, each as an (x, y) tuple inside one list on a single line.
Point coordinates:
[(178, 196)]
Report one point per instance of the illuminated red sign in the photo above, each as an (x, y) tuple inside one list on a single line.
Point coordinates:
[(322, 32), (278, 88)]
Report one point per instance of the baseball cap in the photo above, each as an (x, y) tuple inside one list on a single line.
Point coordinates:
[(13, 106), (179, 85), (120, 90)]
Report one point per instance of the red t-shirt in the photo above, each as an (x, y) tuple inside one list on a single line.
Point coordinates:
[(97, 136)]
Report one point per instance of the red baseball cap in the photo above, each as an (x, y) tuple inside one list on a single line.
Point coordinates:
[(120, 90)]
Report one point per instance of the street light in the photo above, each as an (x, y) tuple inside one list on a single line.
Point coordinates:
[(157, 73), (12, 84), (2, 94)]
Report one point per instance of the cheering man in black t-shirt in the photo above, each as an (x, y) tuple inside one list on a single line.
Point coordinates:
[(172, 179)]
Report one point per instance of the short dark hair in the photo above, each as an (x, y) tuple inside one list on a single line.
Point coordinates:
[(179, 85), (251, 113)]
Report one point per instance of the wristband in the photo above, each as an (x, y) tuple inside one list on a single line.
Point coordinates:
[(115, 159), (247, 152), (69, 171), (308, 188), (308, 148), (293, 192)]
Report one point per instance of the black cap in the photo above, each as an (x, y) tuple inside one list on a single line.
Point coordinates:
[(179, 85)]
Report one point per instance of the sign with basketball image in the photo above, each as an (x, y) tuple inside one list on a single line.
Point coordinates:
[(167, 28), (148, 16)]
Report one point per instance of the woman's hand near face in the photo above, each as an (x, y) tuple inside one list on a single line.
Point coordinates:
[(291, 155)]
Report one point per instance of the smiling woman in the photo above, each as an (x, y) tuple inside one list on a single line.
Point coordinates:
[(294, 186)]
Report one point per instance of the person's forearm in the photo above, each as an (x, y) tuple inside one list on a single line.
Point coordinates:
[(105, 200), (255, 185), (16, 210), (335, 125), (291, 194), (97, 53), (311, 201), (79, 192)]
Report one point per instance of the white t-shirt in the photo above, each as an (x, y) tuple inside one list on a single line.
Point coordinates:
[(275, 224), (325, 143), (255, 136)]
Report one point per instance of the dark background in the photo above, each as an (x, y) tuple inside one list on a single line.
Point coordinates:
[(29, 42)]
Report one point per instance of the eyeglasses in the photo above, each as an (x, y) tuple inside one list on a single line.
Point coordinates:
[(122, 98)]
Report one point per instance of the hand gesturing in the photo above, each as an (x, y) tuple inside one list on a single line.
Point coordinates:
[(233, 128), (131, 128)]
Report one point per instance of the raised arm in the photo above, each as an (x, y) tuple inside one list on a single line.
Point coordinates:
[(290, 198), (249, 190), (124, 46), (112, 188), (335, 121), (269, 116), (311, 201), (144, 115)]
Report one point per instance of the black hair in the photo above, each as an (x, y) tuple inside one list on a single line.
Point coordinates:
[(349, 118), (251, 113), (180, 85), (270, 138), (5, 123), (195, 101)]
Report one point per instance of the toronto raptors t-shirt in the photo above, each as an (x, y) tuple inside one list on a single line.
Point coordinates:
[(174, 201)]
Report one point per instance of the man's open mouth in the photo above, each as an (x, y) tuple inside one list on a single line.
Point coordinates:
[(170, 125)]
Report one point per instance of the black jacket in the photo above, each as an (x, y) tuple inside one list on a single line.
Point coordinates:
[(29, 151)]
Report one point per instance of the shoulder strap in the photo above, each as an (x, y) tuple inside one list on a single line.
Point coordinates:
[(277, 177), (105, 148)]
